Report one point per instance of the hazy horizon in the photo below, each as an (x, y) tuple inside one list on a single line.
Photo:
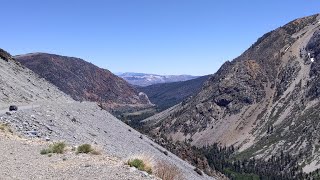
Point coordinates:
[(165, 38)]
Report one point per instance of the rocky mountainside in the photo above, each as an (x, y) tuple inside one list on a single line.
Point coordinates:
[(265, 102), (47, 116), (19, 85), (166, 95), (141, 79), (83, 81)]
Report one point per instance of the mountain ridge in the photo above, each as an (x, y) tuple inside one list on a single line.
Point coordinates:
[(253, 101), (83, 80), (166, 95), (144, 79)]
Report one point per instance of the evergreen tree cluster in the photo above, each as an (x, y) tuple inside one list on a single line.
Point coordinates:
[(281, 167)]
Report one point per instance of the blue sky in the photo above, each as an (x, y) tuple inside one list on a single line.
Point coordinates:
[(152, 36)]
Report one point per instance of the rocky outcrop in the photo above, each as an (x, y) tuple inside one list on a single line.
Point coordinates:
[(313, 48), (5, 55)]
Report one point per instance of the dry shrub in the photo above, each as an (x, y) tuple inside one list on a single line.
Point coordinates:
[(167, 171), (4, 127)]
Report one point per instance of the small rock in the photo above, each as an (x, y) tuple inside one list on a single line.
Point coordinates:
[(73, 119), (166, 153), (132, 169), (32, 133), (145, 173)]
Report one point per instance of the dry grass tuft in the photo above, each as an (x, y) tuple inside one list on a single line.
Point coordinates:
[(167, 171), (5, 128)]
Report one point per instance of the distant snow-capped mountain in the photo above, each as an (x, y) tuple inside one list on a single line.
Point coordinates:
[(141, 79)]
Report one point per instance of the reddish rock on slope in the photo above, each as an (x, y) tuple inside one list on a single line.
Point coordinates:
[(83, 80)]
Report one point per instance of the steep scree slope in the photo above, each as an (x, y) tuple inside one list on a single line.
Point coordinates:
[(20, 86), (45, 113)]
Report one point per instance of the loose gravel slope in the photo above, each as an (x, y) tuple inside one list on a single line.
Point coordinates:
[(46, 115)]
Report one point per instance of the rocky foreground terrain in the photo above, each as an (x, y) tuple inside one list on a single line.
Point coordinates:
[(46, 115), (21, 159), (265, 103)]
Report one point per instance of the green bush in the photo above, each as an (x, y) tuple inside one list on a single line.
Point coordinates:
[(58, 147), (54, 148), (139, 164), (85, 148), (45, 151)]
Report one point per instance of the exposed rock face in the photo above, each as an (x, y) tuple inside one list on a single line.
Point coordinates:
[(83, 80), (272, 84), (5, 55), (313, 48)]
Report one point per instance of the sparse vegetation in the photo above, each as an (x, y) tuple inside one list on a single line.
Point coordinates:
[(57, 148), (2, 127), (140, 164), (85, 148), (167, 171), (45, 151), (5, 128)]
